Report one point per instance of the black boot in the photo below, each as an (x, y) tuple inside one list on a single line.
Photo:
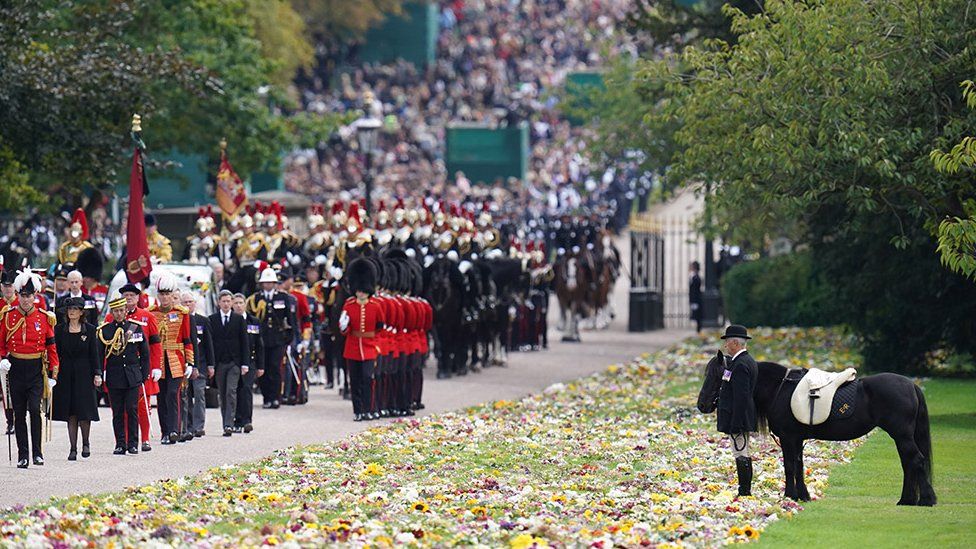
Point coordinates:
[(743, 466)]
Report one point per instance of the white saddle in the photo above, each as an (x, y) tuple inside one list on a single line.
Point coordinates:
[(814, 394)]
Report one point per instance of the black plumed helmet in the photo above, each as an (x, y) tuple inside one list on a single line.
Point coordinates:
[(90, 263), (361, 276)]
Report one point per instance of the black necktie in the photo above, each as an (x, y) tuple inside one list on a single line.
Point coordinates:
[(225, 320)]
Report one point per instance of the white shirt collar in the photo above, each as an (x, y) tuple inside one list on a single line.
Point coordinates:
[(736, 355)]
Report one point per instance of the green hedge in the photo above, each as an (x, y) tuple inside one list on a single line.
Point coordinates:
[(777, 291)]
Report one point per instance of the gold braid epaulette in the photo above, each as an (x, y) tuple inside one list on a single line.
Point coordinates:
[(255, 308), (114, 346)]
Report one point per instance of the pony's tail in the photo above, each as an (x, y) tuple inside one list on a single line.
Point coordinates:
[(923, 436)]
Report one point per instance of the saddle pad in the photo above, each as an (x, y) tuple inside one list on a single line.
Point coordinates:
[(822, 384), (844, 400)]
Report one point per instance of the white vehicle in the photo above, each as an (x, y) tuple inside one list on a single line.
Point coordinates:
[(195, 278)]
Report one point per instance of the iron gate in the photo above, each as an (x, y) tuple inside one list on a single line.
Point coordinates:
[(662, 248)]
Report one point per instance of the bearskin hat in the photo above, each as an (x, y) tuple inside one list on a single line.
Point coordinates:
[(90, 263), (361, 276), (395, 253)]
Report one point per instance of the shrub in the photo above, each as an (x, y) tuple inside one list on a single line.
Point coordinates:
[(778, 291)]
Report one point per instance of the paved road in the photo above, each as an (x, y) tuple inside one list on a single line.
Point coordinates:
[(325, 418)]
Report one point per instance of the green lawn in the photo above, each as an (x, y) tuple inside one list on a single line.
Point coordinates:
[(859, 507)]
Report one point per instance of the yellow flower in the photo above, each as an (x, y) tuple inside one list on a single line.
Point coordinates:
[(373, 469), (384, 541), (246, 496), (272, 498), (613, 368), (735, 531), (420, 507), (499, 404), (750, 532), (272, 540), (199, 531), (525, 541), (558, 498)]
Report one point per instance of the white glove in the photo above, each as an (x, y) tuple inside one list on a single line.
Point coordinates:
[(244, 370), (156, 374), (98, 381), (51, 382), (188, 371), (343, 321), (4, 365)]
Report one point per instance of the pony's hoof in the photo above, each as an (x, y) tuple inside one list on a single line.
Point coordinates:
[(907, 502)]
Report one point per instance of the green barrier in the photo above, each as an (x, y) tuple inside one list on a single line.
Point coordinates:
[(485, 154), (411, 37)]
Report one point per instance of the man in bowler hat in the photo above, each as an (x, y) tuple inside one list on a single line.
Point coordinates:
[(736, 408)]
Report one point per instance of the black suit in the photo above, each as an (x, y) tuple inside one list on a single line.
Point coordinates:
[(231, 350), (245, 394), (736, 407), (695, 299), (230, 342), (194, 397)]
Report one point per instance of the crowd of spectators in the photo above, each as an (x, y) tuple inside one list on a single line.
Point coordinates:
[(498, 63)]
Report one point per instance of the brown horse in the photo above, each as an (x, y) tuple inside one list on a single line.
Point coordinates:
[(573, 277)]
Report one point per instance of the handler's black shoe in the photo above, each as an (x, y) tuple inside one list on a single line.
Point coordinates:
[(228, 431), (10, 430), (133, 450), (743, 467), (358, 417), (120, 451), (22, 464), (247, 428), (38, 460), (146, 447)]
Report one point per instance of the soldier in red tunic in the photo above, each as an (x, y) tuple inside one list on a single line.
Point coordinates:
[(174, 334), (7, 297), (28, 356), (147, 322), (361, 318)]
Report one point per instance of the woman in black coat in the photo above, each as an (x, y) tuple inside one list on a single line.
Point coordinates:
[(73, 398)]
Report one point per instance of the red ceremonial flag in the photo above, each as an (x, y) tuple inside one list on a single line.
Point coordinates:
[(231, 195), (137, 265)]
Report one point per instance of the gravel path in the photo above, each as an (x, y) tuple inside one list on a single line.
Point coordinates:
[(325, 418)]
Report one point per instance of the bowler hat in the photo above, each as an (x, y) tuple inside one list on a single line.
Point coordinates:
[(130, 288), (736, 330)]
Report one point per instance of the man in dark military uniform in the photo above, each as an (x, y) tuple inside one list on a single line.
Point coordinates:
[(276, 312), (736, 407), (126, 350)]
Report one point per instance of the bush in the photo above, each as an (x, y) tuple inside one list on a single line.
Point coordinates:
[(778, 291)]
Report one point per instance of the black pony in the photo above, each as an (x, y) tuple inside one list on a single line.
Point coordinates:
[(886, 400)]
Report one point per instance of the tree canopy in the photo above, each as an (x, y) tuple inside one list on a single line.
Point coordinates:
[(72, 73), (817, 121)]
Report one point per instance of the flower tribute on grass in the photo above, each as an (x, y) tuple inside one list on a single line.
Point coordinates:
[(617, 458)]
